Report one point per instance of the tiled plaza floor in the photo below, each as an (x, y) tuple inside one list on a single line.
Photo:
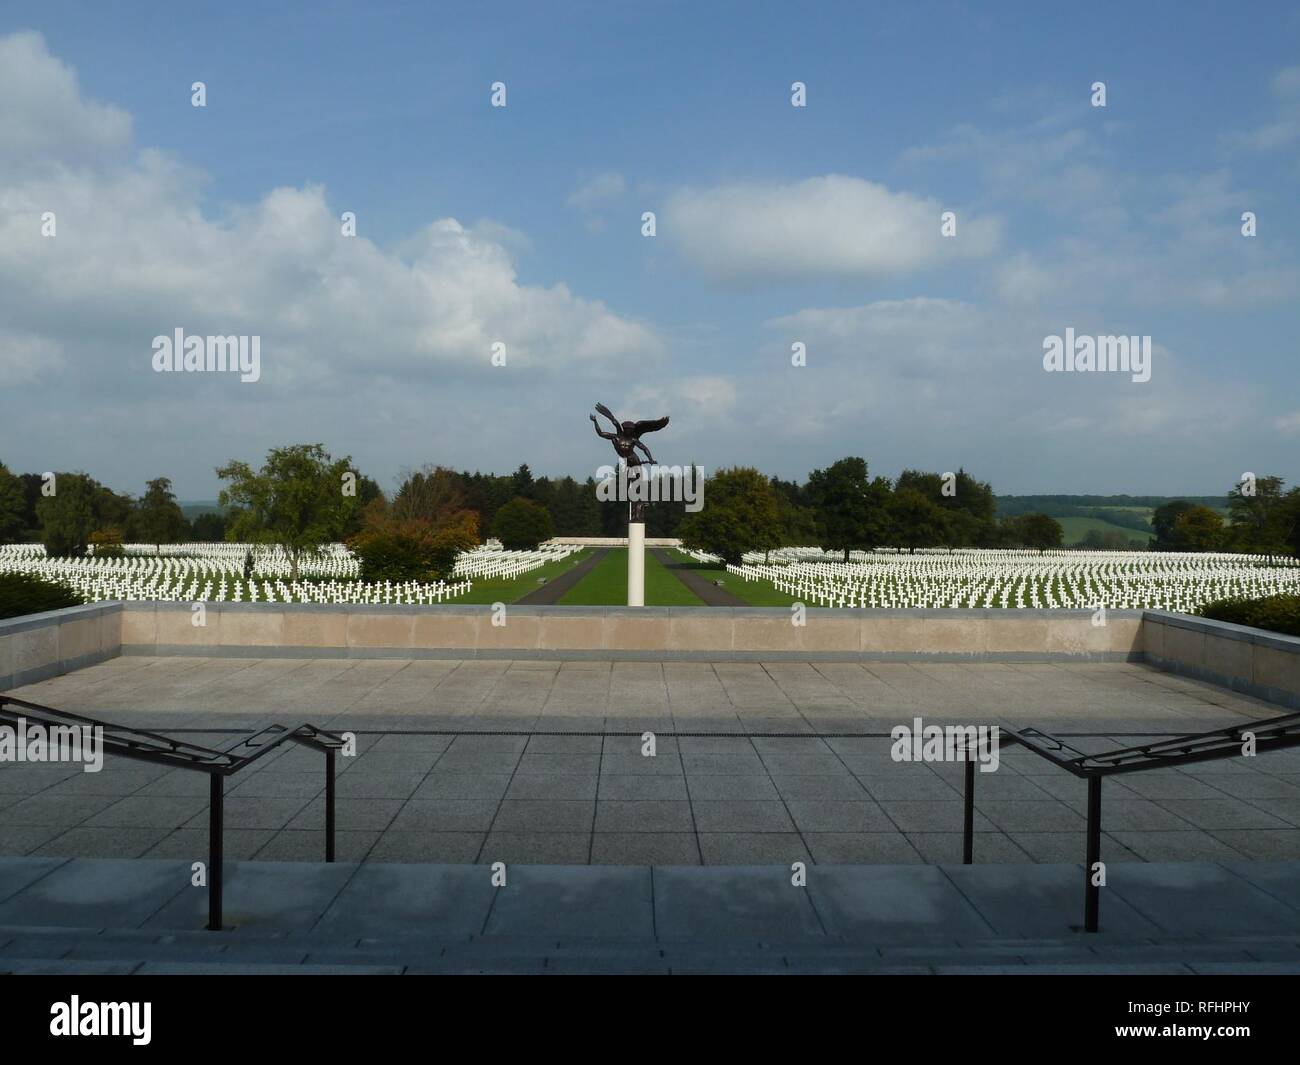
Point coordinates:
[(769, 764)]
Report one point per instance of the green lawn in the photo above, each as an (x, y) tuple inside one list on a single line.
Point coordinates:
[(606, 585), (755, 593), (508, 590)]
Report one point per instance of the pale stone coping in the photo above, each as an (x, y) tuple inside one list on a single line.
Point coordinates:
[(778, 612), (1226, 630), (612, 654)]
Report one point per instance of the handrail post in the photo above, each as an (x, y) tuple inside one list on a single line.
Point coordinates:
[(1092, 893), (968, 828), (216, 824), (329, 804)]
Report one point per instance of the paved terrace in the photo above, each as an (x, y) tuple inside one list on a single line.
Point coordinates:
[(769, 764)]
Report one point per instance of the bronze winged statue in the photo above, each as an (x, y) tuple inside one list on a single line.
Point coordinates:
[(626, 438)]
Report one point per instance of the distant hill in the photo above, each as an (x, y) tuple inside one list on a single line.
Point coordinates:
[(1078, 515), (193, 508), (1025, 504)]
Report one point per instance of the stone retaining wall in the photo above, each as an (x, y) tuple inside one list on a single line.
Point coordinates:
[(626, 633), (1252, 661), (1246, 660), (39, 646)]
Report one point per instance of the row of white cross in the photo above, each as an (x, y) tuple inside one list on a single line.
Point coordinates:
[(213, 573), (142, 562), (1018, 579), (494, 562)]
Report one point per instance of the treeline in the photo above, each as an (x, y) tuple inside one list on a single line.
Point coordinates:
[(842, 508), (301, 498), (70, 512), (1263, 519)]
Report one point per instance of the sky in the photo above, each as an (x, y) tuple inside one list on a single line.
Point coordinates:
[(519, 230)]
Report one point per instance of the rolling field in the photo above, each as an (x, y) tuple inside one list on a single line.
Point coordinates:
[(1077, 528)]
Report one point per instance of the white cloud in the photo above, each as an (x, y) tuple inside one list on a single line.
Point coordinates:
[(1284, 128), (823, 227), (704, 395), (380, 351), (1022, 281), (1286, 82), (1062, 169), (1187, 251), (136, 255), (25, 358), (515, 241), (597, 192), (45, 119), (383, 350), (940, 383)]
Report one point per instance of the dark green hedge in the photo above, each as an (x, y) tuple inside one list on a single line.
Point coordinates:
[(21, 593), (1277, 613)]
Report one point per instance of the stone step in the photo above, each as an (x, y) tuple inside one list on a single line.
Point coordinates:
[(88, 950), (1173, 917), (702, 965)]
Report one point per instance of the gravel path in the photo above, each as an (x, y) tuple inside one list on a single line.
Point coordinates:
[(705, 589), (548, 594)]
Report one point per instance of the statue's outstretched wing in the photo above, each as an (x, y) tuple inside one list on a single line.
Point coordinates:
[(602, 409), (650, 426)]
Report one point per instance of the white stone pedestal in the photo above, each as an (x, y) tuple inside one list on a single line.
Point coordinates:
[(636, 563)]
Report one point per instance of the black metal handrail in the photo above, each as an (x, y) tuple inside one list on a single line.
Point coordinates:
[(1270, 734), (144, 746)]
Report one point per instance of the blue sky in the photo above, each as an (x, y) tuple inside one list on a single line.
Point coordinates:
[(775, 224)]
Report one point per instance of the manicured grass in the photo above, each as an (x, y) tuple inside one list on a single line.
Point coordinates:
[(755, 593), (606, 585), (508, 590)]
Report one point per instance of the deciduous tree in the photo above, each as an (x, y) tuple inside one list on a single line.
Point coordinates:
[(295, 501), (739, 514), (849, 507), (158, 517)]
